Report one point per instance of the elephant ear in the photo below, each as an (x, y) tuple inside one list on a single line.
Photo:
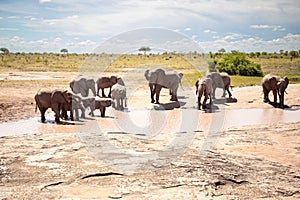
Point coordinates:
[(286, 79), (197, 84)]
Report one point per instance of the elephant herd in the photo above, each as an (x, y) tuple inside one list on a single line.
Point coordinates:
[(62, 101)]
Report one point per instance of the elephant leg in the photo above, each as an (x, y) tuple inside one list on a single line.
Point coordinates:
[(43, 111), (266, 94), (229, 93), (92, 108), (122, 105), (71, 114), (64, 114), (157, 90), (102, 111), (103, 95), (56, 110), (152, 95), (224, 92), (275, 96), (82, 111), (109, 94), (118, 103), (204, 102), (214, 92), (199, 102)]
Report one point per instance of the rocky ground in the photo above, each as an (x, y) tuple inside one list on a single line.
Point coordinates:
[(242, 162)]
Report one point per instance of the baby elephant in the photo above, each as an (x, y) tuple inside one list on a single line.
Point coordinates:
[(73, 107), (101, 104), (204, 87), (118, 95)]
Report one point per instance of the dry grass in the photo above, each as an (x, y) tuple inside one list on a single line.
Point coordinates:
[(192, 65)]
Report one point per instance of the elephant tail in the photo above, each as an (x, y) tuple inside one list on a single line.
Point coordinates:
[(147, 74)]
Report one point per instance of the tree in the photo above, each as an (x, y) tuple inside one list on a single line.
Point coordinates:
[(281, 51), (144, 49), (64, 51), (5, 51), (236, 63), (293, 54), (222, 50)]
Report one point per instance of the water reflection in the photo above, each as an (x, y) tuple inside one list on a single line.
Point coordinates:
[(151, 122)]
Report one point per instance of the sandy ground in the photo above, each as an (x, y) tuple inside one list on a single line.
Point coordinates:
[(242, 162)]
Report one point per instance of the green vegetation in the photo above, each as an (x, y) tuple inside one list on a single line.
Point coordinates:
[(237, 63), (144, 49), (193, 65)]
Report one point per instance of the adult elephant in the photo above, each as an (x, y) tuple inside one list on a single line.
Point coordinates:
[(159, 79), (106, 82), (58, 98), (277, 85), (220, 80), (82, 86), (43, 101)]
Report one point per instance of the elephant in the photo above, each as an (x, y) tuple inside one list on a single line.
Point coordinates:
[(159, 79), (82, 86), (204, 87), (73, 106), (277, 85), (101, 104), (220, 80), (118, 95), (106, 82), (58, 98), (43, 101)]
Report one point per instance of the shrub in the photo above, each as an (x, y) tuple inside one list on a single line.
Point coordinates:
[(236, 63)]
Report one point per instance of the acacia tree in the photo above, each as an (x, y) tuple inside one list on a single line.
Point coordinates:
[(5, 51), (144, 49), (64, 51)]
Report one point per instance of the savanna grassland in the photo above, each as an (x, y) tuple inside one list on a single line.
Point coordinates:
[(192, 65)]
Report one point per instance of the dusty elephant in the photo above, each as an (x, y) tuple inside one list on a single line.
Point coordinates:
[(58, 98), (159, 79), (220, 80), (204, 87), (118, 95), (106, 82), (277, 85), (43, 101), (82, 86), (101, 104), (73, 107)]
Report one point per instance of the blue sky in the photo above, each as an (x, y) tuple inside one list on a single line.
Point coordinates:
[(81, 26)]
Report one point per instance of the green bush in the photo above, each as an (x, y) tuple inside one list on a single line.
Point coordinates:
[(236, 63)]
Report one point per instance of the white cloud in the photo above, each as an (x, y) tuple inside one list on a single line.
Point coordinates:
[(273, 27), (45, 1), (13, 17), (187, 29), (209, 31), (287, 42), (8, 29)]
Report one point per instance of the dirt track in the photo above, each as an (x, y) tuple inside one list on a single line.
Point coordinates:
[(249, 162)]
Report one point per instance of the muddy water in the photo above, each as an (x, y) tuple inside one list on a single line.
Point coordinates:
[(151, 122)]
